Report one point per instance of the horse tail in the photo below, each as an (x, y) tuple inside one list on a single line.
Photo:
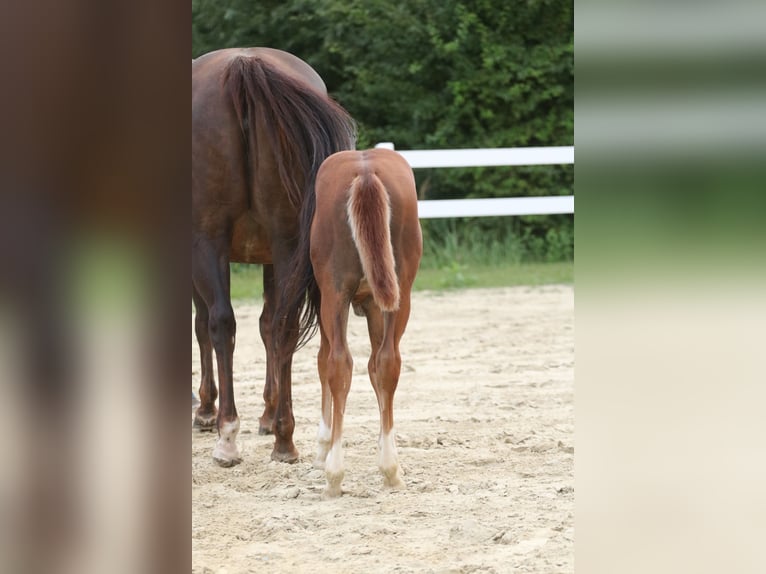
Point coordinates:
[(369, 217), (301, 126)]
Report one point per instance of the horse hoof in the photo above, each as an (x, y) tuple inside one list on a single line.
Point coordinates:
[(394, 484), (392, 480), (204, 423), (289, 457), (332, 487), (201, 427), (226, 457), (329, 493), (226, 462)]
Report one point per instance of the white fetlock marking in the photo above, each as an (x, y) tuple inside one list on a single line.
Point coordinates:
[(333, 489), (324, 439), (388, 460), (334, 461), (334, 470), (324, 434), (226, 447)]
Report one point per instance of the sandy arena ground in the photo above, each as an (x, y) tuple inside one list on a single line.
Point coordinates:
[(484, 416)]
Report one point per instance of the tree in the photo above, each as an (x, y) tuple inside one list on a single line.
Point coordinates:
[(432, 74)]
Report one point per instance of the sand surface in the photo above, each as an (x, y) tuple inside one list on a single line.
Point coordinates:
[(485, 424)]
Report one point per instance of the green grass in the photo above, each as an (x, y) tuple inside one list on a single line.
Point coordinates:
[(458, 276), (246, 280)]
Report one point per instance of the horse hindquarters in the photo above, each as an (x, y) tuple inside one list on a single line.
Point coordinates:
[(336, 255), (369, 215)]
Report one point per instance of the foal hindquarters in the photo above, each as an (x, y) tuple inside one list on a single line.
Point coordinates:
[(365, 249)]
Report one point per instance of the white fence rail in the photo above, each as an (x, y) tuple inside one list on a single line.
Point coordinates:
[(487, 157)]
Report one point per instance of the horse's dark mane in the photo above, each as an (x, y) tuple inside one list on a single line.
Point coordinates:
[(303, 127)]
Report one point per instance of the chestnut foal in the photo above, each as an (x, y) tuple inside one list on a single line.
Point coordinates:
[(366, 246)]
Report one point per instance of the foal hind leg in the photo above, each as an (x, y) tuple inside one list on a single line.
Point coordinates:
[(339, 368), (384, 367), (206, 414), (324, 432), (270, 391), (210, 273)]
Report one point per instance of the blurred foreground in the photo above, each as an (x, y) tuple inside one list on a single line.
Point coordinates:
[(93, 176), (671, 287)]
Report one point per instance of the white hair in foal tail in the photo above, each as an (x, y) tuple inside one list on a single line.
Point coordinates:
[(369, 216)]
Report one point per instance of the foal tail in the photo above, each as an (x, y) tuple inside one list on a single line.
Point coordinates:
[(369, 216)]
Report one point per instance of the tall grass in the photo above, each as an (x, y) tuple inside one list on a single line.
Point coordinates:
[(451, 242)]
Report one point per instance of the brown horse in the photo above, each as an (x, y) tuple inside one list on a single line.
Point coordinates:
[(262, 124), (366, 245)]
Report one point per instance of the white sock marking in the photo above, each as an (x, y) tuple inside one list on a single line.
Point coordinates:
[(334, 461), (324, 439), (388, 459), (226, 448)]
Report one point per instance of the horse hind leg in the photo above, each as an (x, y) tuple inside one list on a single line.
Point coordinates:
[(206, 413), (270, 391), (339, 367), (210, 273), (324, 432), (284, 421), (384, 368)]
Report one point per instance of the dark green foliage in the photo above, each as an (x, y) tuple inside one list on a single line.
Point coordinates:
[(430, 74)]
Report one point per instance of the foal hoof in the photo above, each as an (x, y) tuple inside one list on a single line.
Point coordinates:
[(332, 489), (205, 422), (392, 480), (330, 492), (289, 456), (394, 484)]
